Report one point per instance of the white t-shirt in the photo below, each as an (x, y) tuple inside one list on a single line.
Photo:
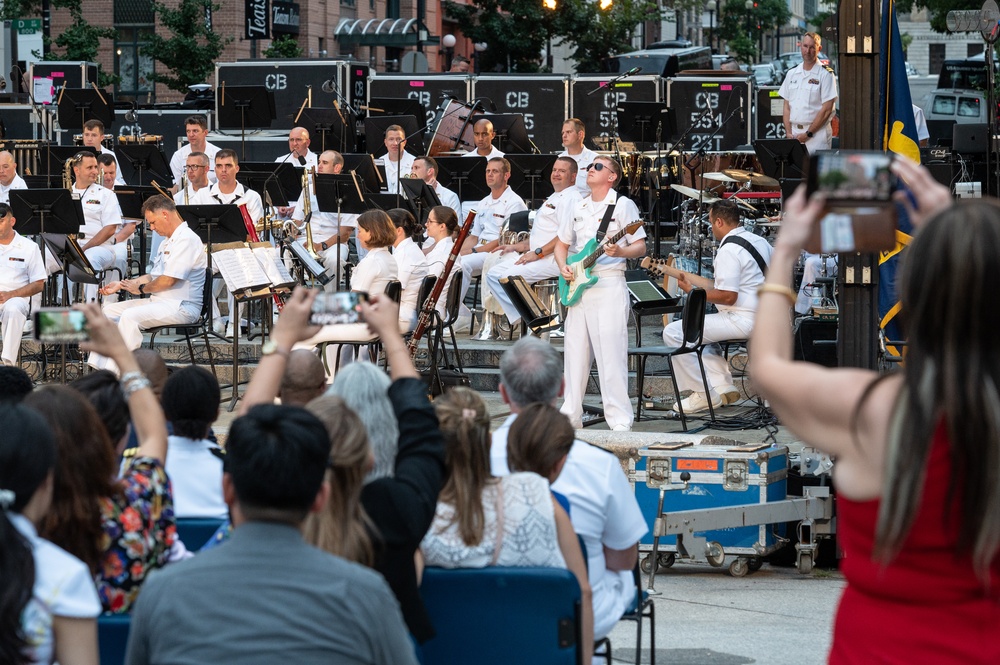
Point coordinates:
[(551, 216), (603, 511), (179, 161), (20, 264), (582, 226), (737, 271), (412, 268), (529, 535), (491, 213), (63, 588), (183, 257), (196, 478), (583, 160), (100, 209)]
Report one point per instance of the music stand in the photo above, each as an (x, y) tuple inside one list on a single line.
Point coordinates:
[(395, 106), (245, 106), (53, 181), (341, 194), (60, 153), (146, 161), (364, 165), (781, 158), (265, 184), (530, 176), (78, 105), (285, 176), (412, 130), (512, 136), (419, 196), (49, 213), (330, 126), (466, 176), (638, 121)]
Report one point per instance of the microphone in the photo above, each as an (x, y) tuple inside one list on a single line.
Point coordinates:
[(743, 120), (328, 85), (302, 160), (634, 70)]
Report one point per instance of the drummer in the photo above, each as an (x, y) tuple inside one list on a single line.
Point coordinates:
[(93, 137), (573, 133)]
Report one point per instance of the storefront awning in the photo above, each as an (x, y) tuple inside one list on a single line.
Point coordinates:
[(397, 32)]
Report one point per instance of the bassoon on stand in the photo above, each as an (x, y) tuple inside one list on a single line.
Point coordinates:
[(431, 303)]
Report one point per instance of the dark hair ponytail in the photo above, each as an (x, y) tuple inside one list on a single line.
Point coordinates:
[(27, 456)]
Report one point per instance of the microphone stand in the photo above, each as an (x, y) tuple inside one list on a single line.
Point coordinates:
[(609, 82)]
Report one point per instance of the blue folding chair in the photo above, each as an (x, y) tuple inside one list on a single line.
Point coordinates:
[(529, 616), (195, 531), (112, 637)]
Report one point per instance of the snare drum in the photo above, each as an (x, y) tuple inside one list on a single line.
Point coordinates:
[(453, 132), (108, 142), (143, 139)]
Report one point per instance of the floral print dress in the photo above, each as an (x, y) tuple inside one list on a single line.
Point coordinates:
[(139, 530)]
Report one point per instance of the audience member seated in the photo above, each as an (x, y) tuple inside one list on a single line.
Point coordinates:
[(266, 596), (411, 264), (340, 527), (540, 440), (304, 379), (191, 404), (48, 603), (121, 528), (15, 384), (401, 491), (603, 508), (484, 521)]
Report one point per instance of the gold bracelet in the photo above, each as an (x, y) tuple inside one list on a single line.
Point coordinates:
[(779, 289)]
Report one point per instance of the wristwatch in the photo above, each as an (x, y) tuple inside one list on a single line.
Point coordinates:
[(809, 134), (324, 246), (472, 251), (538, 252), (142, 289), (270, 347)]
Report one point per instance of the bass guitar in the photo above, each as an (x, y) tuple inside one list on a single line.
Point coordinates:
[(664, 267), (580, 263)]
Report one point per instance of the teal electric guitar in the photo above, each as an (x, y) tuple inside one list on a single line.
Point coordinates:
[(581, 263)]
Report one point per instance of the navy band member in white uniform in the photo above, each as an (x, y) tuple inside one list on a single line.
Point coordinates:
[(810, 94), (597, 326), (426, 168), (534, 258), (482, 136), (490, 215), (734, 293), (93, 137), (442, 227), (225, 192), (8, 176), (22, 275), (175, 284), (196, 129), (573, 133), (397, 162), (328, 235), (101, 217), (109, 178), (298, 155)]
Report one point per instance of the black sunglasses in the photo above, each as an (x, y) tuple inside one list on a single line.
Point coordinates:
[(597, 166)]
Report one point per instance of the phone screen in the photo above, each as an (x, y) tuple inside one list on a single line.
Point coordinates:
[(55, 325), (855, 176), (330, 309)]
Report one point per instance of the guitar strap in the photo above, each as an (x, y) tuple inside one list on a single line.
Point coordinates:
[(747, 245), (602, 230)]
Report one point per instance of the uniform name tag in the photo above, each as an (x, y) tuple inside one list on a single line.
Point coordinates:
[(14, 258)]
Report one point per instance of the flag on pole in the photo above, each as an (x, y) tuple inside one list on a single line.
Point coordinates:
[(899, 136)]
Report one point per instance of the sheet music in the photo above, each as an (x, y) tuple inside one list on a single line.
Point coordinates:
[(240, 269), (274, 267)]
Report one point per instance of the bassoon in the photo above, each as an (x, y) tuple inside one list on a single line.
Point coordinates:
[(255, 237), (427, 311)]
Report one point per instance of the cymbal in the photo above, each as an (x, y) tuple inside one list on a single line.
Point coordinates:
[(692, 193), (758, 179), (718, 176)]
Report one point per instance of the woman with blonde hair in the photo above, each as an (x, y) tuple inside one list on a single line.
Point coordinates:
[(486, 521), (918, 451)]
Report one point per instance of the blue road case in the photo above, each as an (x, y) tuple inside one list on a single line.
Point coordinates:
[(723, 473)]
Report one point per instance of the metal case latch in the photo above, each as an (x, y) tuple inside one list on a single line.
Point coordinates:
[(735, 476)]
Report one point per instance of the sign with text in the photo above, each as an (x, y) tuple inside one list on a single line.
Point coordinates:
[(716, 110), (768, 124), (291, 81), (285, 18), (543, 100), (429, 89), (258, 19), (598, 110)]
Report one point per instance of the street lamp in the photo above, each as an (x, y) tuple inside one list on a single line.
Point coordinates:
[(448, 42), (478, 48)]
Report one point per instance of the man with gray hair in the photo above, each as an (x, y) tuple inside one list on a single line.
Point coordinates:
[(603, 508)]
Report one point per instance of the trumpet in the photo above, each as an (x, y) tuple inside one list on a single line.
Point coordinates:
[(307, 194)]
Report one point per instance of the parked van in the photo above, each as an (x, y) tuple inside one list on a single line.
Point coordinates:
[(946, 107), (968, 74), (665, 62)]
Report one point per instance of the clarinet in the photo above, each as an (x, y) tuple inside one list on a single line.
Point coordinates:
[(427, 311)]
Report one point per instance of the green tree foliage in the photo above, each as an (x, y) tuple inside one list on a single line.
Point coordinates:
[(741, 26), (190, 54), (284, 46), (514, 32), (596, 34)]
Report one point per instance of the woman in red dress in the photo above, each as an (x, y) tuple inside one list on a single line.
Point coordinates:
[(918, 451)]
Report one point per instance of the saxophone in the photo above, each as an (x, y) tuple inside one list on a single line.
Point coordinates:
[(67, 175)]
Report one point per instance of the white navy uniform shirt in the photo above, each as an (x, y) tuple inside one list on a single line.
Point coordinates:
[(16, 183), (552, 215), (807, 91), (100, 209), (491, 212), (583, 160), (582, 226), (213, 196)]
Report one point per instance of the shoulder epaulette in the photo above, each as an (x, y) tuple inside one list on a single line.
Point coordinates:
[(829, 69)]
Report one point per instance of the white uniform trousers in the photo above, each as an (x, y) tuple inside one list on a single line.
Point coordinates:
[(101, 258), (472, 265), (330, 263), (597, 328), (13, 316), (718, 327), (132, 316), (811, 269), (345, 332), (532, 272)]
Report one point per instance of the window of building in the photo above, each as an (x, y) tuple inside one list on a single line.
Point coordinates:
[(936, 58), (134, 21), (973, 49)]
